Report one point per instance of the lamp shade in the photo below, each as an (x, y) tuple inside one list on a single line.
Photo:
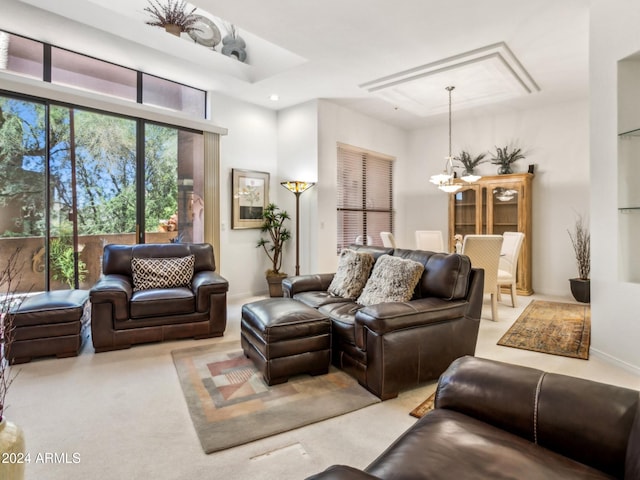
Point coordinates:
[(297, 186)]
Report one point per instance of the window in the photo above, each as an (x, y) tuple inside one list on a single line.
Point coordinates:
[(26, 57), (365, 196), (73, 180), (75, 70), (21, 56)]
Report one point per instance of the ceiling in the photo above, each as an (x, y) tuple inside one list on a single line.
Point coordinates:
[(391, 61)]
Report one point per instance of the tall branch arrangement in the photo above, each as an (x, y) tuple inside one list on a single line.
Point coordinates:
[(10, 277), (278, 235), (581, 241)]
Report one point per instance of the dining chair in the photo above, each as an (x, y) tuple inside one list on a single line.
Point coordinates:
[(508, 267), (387, 239), (484, 252), (430, 240), (360, 240)]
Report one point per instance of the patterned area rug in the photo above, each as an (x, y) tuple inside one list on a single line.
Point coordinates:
[(552, 327), (230, 404), (424, 407)]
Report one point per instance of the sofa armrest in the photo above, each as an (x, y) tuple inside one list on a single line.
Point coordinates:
[(570, 416), (388, 317), (204, 284), (306, 283), (342, 472), (115, 289)]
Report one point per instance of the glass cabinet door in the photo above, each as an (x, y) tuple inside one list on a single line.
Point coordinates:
[(466, 210), (503, 207)]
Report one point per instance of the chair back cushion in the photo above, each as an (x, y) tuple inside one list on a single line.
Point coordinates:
[(484, 252), (116, 259)]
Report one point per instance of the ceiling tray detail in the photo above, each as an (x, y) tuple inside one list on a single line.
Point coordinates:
[(485, 75)]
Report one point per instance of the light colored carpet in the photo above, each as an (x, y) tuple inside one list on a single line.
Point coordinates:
[(125, 414), (552, 327), (231, 404)]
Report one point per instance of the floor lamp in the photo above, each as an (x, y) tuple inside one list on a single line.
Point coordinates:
[(297, 188)]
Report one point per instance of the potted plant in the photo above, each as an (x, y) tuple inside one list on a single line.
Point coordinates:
[(581, 241), (273, 245), (11, 435), (505, 157), (470, 163), (172, 15)]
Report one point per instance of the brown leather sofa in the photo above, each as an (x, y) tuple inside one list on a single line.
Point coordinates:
[(392, 346), (496, 420), (121, 317)]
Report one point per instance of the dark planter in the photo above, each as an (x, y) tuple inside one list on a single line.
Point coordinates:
[(581, 289), (275, 284)]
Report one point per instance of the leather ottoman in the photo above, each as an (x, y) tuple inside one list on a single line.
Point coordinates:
[(49, 323), (285, 337)]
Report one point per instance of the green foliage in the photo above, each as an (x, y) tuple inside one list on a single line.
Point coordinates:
[(469, 162), (105, 168), (273, 224), (62, 261), (505, 158)]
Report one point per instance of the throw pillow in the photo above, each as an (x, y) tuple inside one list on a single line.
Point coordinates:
[(162, 272), (352, 273), (393, 280)]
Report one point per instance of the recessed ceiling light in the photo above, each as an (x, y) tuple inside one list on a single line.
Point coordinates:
[(274, 97)]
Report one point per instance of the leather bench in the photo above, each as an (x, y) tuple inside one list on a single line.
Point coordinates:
[(49, 323), (285, 337)]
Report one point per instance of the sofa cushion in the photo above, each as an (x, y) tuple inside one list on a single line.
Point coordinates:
[(393, 280), (162, 272), (445, 444), (352, 273)]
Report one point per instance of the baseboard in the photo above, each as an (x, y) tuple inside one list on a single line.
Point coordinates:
[(615, 361)]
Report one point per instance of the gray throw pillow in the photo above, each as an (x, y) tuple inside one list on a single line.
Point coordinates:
[(393, 280), (352, 273), (162, 272)]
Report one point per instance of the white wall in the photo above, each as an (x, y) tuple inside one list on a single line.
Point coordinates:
[(339, 124), (298, 160), (614, 35), (554, 138), (251, 144)]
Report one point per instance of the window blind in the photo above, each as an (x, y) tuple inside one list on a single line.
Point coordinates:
[(365, 196)]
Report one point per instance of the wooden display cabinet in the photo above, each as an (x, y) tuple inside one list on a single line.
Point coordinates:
[(494, 205)]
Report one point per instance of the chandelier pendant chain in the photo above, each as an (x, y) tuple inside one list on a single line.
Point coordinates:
[(449, 89)]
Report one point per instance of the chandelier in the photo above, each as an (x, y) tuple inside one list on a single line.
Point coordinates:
[(446, 180)]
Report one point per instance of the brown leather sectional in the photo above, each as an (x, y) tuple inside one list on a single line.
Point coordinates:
[(392, 346), (121, 317), (496, 420)]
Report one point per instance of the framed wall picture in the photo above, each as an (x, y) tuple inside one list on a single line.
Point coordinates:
[(250, 196)]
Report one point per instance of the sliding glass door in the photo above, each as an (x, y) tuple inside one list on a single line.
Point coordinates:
[(72, 181)]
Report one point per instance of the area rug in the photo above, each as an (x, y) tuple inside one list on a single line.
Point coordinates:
[(552, 327), (424, 407), (230, 403)]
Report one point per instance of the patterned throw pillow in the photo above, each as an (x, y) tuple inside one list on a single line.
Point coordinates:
[(352, 273), (162, 272), (393, 280)]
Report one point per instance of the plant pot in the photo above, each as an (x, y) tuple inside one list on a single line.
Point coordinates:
[(275, 284), (12, 453), (581, 289), (504, 170), (173, 29)]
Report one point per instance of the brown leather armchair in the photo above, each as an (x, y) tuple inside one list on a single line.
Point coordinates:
[(121, 317)]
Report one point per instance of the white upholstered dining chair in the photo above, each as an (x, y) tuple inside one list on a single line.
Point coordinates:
[(508, 267), (484, 252), (430, 240), (387, 239)]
